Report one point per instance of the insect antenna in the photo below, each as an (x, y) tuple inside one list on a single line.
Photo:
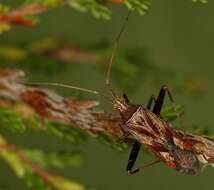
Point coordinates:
[(108, 82), (106, 98)]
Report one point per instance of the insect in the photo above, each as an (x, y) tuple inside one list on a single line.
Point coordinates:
[(179, 150)]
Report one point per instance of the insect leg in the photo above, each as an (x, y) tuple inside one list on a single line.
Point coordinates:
[(136, 146), (160, 100), (151, 100), (132, 157), (142, 167)]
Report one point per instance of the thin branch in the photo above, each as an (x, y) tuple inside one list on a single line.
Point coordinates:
[(50, 105), (56, 182)]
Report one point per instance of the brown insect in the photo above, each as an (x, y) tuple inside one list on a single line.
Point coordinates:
[(179, 150)]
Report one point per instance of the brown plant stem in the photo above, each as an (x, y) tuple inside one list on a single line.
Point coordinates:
[(48, 104)]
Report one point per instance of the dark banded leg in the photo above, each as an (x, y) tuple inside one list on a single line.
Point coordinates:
[(132, 158), (160, 100), (136, 147), (151, 100), (157, 108)]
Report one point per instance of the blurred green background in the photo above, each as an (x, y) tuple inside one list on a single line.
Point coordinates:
[(177, 35)]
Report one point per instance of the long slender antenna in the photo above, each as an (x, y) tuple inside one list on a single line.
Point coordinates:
[(71, 87), (108, 83)]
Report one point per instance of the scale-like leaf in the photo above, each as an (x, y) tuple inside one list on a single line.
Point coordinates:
[(59, 159)]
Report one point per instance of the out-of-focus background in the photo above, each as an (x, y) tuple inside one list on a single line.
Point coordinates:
[(177, 40)]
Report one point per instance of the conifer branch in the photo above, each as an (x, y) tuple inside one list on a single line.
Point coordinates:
[(52, 106), (34, 176), (25, 14)]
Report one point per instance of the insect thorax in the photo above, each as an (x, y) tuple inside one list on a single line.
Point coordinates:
[(141, 125)]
